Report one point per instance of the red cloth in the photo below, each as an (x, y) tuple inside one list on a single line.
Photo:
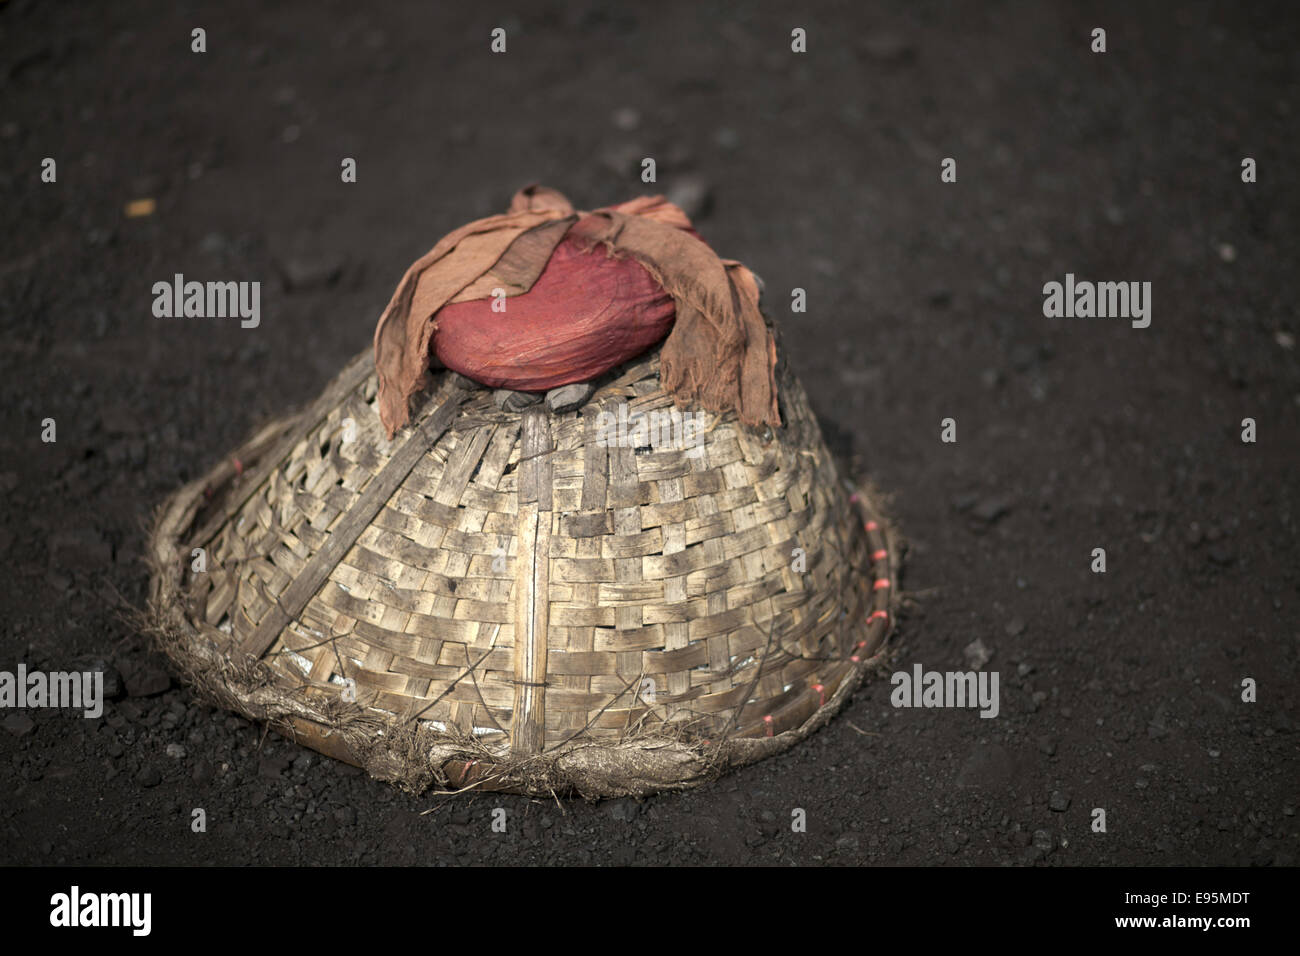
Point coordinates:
[(604, 299), (586, 313)]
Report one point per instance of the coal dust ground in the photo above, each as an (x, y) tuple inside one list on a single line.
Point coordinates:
[(1120, 691)]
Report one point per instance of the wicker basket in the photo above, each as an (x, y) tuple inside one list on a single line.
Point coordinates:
[(499, 599)]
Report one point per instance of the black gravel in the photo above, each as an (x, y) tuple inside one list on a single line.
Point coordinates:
[(1120, 691)]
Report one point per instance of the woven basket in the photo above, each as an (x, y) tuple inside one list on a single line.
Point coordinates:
[(500, 600)]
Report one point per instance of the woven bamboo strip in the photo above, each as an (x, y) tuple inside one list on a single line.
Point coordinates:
[(532, 587), (381, 487)]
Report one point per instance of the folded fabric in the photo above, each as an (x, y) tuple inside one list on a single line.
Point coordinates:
[(544, 296)]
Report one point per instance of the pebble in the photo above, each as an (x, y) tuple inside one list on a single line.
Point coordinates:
[(692, 193), (625, 811), (20, 725), (175, 751), (568, 397), (149, 776), (146, 679), (308, 273), (626, 119), (977, 654), (271, 766), (888, 48), (513, 401), (1059, 802), (622, 158), (114, 686), (991, 509), (726, 137)]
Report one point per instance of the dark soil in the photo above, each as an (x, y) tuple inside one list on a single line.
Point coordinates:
[(1120, 690)]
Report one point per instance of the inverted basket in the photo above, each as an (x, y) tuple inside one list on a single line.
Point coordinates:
[(507, 600)]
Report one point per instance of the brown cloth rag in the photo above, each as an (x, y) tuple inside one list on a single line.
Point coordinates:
[(719, 352)]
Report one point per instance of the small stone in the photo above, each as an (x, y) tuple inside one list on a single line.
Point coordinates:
[(1023, 356), (270, 767), (149, 776), (626, 119), (176, 751), (625, 811), (1047, 745), (1222, 556), (1043, 840), (307, 273), (568, 397), (146, 678), (977, 654), (1015, 627), (213, 244), (622, 158), (1059, 802), (20, 725), (114, 687), (512, 401), (991, 509), (888, 48), (693, 194)]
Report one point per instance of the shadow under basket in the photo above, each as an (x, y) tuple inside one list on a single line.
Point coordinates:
[(526, 600)]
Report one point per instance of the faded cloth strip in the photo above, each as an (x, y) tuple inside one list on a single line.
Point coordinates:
[(600, 309)]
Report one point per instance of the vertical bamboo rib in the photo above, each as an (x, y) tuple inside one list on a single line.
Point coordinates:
[(532, 584)]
